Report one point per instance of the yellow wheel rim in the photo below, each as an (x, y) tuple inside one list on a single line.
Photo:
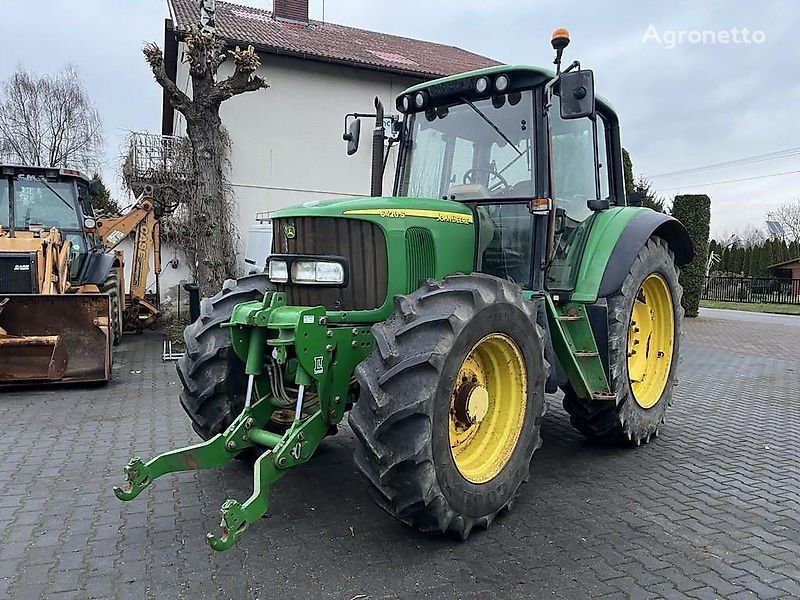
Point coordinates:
[(487, 408), (651, 338)]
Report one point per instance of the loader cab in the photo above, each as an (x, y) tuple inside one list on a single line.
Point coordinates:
[(36, 199), (496, 141)]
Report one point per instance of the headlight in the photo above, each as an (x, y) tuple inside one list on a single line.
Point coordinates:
[(316, 271), (419, 100), (405, 103), (481, 85), (278, 271), (501, 83)]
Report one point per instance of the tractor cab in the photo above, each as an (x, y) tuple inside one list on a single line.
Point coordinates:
[(530, 152), (532, 174)]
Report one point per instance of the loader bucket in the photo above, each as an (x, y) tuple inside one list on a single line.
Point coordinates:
[(54, 338)]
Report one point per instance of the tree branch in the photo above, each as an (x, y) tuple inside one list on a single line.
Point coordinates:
[(155, 58), (244, 78)]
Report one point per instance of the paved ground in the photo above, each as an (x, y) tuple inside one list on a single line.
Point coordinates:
[(710, 510)]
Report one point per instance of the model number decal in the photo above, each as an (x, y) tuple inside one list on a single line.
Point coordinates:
[(401, 213)]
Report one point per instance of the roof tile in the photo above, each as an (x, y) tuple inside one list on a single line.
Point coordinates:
[(331, 42)]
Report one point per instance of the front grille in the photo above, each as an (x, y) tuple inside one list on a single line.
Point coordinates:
[(361, 243), (18, 273), (420, 256)]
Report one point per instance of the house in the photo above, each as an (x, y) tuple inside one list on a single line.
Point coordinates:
[(287, 145), (789, 269)]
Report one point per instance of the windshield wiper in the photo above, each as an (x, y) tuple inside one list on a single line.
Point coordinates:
[(492, 125)]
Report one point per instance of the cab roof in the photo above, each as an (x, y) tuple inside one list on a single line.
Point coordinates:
[(525, 75), (48, 172)]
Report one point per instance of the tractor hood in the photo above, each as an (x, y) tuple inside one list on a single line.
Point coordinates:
[(386, 245)]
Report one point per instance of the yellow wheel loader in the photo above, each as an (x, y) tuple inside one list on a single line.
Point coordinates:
[(58, 283)]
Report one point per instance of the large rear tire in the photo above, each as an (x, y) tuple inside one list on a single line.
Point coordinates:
[(213, 378), (451, 403), (644, 320), (111, 287)]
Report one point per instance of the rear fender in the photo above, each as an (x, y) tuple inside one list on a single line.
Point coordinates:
[(616, 237), (633, 239)]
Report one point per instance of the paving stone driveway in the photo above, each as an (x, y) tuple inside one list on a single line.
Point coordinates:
[(710, 510)]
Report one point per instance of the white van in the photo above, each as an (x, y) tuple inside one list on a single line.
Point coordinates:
[(259, 244)]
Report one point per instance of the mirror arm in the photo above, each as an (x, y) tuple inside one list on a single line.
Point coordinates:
[(596, 158), (576, 64), (346, 135)]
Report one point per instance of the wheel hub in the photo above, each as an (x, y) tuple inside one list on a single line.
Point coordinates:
[(471, 403)]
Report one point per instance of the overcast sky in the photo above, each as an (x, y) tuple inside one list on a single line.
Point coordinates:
[(681, 105)]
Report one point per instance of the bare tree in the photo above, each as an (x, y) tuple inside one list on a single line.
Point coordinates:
[(788, 215), (751, 236), (211, 221), (49, 120)]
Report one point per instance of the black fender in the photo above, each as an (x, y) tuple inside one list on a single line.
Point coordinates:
[(98, 267), (633, 239)]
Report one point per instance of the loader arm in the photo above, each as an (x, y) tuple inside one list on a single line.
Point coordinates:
[(142, 222)]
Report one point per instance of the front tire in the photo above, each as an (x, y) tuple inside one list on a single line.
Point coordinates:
[(644, 319), (213, 377), (451, 403), (112, 288)]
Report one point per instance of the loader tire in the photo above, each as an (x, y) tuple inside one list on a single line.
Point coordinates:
[(213, 378), (111, 287), (634, 417), (451, 402)]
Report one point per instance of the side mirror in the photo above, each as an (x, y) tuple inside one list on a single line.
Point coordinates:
[(352, 136), (577, 94), (94, 188)]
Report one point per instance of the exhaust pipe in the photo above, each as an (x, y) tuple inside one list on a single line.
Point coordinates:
[(378, 134)]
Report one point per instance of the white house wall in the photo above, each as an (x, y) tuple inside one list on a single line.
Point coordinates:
[(287, 145)]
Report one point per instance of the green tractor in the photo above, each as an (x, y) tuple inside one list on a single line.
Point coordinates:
[(505, 265)]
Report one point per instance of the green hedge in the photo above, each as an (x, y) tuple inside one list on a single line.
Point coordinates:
[(694, 211)]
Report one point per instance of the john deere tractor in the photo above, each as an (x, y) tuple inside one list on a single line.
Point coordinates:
[(504, 266)]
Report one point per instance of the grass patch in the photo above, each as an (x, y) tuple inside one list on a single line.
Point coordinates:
[(781, 309)]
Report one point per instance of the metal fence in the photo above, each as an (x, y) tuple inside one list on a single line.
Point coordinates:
[(752, 289)]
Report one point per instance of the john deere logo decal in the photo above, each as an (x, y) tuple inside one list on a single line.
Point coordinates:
[(289, 232)]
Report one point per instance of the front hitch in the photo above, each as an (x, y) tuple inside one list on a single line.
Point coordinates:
[(295, 447), (260, 329)]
